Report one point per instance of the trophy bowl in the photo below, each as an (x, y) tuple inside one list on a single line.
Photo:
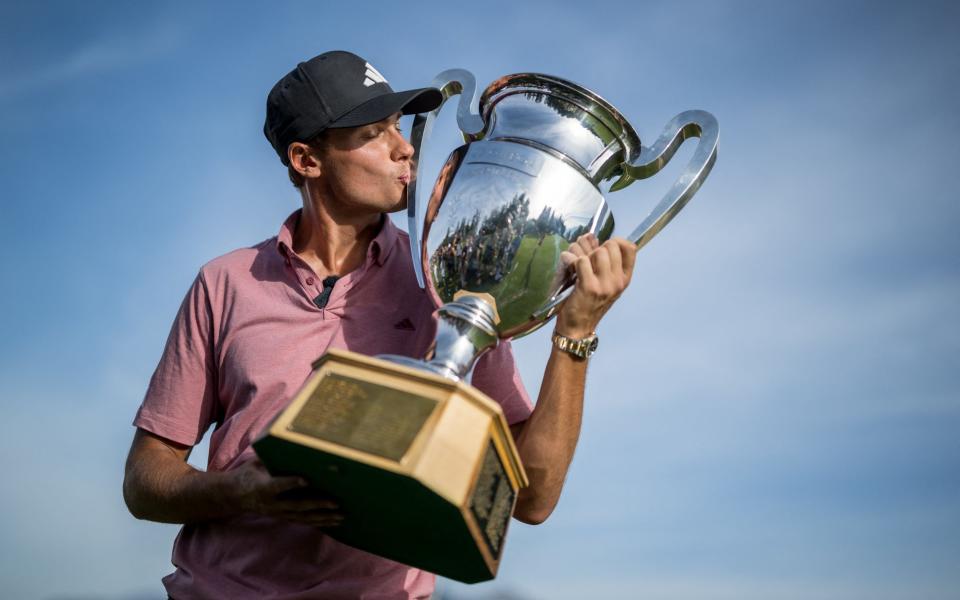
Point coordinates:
[(540, 152)]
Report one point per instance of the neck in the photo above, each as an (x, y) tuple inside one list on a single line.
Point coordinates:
[(333, 241)]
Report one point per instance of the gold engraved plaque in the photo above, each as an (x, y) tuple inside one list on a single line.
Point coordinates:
[(492, 500), (363, 416), (425, 468)]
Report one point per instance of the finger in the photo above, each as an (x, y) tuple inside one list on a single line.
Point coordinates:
[(252, 466), (585, 274), (577, 248), (314, 518), (306, 493), (255, 463), (305, 505), (601, 262), (331, 525), (572, 253), (278, 485), (324, 522), (628, 250), (592, 242), (587, 242), (616, 260)]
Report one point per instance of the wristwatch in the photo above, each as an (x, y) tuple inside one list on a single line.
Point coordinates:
[(583, 348)]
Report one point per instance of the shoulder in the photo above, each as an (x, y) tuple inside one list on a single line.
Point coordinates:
[(241, 264)]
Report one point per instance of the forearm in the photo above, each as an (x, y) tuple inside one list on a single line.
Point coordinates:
[(547, 440), (161, 486)]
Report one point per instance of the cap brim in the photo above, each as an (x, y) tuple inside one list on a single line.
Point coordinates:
[(381, 107)]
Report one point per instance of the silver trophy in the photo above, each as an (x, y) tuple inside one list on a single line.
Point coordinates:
[(540, 151), (425, 462)]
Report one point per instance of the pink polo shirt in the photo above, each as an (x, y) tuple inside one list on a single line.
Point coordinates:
[(240, 347)]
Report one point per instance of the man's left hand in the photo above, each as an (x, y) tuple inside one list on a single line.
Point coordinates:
[(603, 273)]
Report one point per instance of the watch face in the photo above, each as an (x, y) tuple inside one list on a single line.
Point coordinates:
[(591, 346)]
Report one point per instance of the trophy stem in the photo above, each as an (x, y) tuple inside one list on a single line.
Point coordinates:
[(465, 330)]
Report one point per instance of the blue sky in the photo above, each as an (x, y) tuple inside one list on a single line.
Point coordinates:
[(773, 411)]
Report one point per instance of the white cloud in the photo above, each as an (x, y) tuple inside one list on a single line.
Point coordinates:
[(107, 53)]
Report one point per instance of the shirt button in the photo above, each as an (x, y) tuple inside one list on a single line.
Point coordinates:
[(309, 280)]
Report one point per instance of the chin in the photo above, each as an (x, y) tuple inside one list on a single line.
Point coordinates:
[(402, 205), (397, 205)]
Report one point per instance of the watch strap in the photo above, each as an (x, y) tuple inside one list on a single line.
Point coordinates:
[(581, 348)]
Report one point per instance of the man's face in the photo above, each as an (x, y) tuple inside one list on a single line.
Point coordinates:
[(368, 166)]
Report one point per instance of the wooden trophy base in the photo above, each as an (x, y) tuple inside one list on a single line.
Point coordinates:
[(425, 468)]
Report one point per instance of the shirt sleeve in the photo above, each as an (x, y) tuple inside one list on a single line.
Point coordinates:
[(180, 403), (497, 376)]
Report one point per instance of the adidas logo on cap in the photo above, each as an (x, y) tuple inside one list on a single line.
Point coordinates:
[(372, 76)]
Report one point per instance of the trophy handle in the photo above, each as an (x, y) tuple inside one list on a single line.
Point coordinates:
[(688, 124), (450, 83)]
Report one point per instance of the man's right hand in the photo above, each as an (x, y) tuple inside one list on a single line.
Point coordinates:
[(256, 491), (159, 485)]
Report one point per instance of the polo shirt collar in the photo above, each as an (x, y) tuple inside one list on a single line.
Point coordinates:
[(380, 247)]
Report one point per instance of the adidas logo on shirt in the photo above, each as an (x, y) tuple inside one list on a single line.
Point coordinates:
[(372, 76)]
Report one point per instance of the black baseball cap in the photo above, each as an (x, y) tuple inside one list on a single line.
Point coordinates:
[(335, 89)]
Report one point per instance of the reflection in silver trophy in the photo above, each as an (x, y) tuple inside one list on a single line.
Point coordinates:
[(539, 153)]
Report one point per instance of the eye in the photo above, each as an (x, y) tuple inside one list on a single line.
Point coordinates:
[(398, 126)]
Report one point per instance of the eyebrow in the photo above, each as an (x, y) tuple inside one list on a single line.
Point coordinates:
[(387, 122)]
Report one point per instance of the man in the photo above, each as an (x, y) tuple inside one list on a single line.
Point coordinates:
[(338, 274)]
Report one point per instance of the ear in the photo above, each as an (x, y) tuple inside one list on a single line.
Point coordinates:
[(304, 160)]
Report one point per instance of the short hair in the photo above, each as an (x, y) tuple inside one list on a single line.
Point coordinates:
[(318, 142)]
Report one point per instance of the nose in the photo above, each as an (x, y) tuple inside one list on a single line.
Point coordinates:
[(402, 150)]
